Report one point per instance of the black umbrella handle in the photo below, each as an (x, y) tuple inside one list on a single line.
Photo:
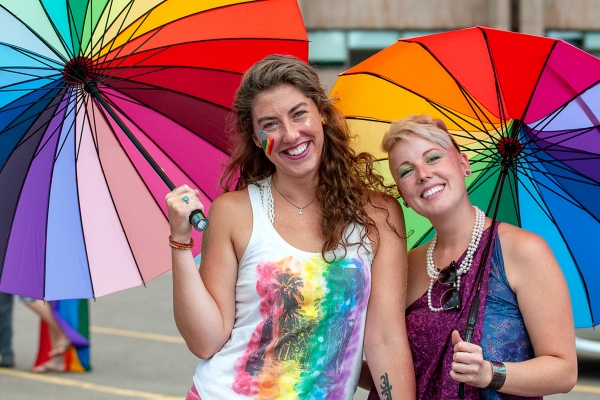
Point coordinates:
[(471, 320), (198, 220)]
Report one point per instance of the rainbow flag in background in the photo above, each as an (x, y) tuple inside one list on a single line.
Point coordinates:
[(73, 317)]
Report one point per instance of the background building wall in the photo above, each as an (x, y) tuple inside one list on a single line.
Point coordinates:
[(344, 32), (404, 14)]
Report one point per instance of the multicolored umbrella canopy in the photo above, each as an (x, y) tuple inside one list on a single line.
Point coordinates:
[(526, 111), (82, 211)]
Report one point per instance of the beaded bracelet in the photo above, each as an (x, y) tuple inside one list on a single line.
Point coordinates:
[(498, 375), (181, 246)]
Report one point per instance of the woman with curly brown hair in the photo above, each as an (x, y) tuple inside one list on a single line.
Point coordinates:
[(283, 301)]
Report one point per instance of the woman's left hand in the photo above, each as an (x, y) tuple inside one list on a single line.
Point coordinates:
[(468, 365)]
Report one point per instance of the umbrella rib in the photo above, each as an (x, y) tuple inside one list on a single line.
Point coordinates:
[(116, 56), (21, 105), (142, 19), (105, 30), (167, 155), (500, 102), (76, 150), (10, 225), (433, 103), (95, 128), (461, 88), (585, 179), (112, 79), (594, 157), (5, 88), (52, 171), (24, 139), (441, 109), (473, 104), (541, 203), (75, 111), (560, 109), (135, 101), (514, 188), (32, 117), (54, 132), (73, 27), (485, 176), (108, 76), (34, 56), (551, 145), (544, 209), (16, 71), (33, 32), (151, 87), (80, 96), (570, 200), (106, 27), (56, 31)]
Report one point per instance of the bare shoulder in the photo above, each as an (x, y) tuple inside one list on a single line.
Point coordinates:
[(521, 243), (230, 205), (526, 255), (384, 207)]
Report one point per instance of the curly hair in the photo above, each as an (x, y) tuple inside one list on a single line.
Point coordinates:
[(346, 179)]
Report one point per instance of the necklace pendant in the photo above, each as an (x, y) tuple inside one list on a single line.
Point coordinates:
[(300, 212)]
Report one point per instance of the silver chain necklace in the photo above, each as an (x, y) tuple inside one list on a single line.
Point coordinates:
[(286, 199)]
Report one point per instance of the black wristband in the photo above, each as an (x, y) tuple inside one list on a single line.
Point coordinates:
[(498, 375)]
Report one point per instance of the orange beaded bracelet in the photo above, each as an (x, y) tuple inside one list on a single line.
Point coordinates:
[(181, 246)]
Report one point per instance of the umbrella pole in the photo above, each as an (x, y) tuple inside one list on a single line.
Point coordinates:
[(197, 218), (474, 310)]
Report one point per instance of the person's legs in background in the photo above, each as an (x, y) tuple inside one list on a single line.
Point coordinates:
[(60, 341), (6, 331)]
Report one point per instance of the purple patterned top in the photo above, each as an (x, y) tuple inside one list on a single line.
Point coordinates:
[(499, 323)]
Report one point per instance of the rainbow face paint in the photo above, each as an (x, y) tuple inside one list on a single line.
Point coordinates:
[(266, 142), (267, 146)]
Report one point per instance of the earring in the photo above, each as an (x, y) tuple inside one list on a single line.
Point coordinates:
[(468, 172), (405, 203), (323, 121)]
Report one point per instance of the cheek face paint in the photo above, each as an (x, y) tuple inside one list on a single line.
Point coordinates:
[(266, 141), (267, 146)]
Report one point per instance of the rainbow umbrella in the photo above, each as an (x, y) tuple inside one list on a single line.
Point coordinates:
[(525, 109), (104, 105)]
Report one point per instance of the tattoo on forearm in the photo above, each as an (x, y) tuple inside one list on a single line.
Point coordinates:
[(386, 388)]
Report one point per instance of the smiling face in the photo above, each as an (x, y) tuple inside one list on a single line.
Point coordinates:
[(430, 178), (287, 125)]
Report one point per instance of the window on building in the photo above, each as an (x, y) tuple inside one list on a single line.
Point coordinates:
[(363, 44), (348, 48), (327, 47), (591, 43), (573, 37)]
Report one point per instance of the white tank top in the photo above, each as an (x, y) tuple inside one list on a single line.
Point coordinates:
[(299, 326)]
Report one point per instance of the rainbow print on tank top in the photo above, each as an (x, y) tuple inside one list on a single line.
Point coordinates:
[(307, 342)]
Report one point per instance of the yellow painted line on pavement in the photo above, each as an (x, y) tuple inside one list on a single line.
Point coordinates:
[(137, 335), (55, 380), (586, 389)]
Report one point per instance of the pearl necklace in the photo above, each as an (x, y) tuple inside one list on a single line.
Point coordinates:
[(465, 265)]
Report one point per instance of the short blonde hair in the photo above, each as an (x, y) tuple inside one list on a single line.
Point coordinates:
[(433, 129)]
